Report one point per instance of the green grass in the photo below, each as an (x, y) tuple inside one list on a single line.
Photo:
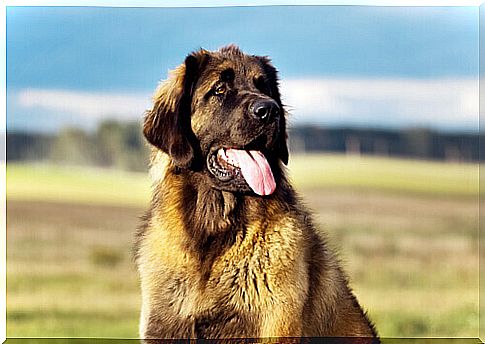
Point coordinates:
[(412, 260), (91, 185), (68, 184), (384, 174)]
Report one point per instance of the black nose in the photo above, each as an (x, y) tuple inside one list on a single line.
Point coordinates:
[(265, 109)]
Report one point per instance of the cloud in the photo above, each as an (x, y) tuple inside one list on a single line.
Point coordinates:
[(435, 103), (87, 105), (439, 103)]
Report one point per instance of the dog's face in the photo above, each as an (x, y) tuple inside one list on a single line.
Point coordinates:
[(220, 114)]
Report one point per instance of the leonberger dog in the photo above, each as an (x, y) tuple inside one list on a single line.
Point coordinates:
[(226, 249)]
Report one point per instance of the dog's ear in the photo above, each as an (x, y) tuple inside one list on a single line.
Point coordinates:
[(281, 146), (167, 124)]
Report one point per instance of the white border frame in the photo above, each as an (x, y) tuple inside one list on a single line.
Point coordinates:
[(148, 3)]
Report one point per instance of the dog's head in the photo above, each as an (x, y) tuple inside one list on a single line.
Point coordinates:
[(220, 114)]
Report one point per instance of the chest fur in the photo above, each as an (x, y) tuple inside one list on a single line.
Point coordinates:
[(263, 268)]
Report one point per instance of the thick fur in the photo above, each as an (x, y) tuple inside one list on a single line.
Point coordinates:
[(216, 260)]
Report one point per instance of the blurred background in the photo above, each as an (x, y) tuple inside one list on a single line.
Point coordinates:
[(383, 129)]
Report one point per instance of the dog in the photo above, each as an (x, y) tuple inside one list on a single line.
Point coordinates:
[(226, 249)]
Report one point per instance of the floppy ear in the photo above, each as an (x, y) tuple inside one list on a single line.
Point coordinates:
[(167, 124), (281, 146)]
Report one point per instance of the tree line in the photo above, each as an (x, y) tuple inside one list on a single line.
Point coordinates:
[(418, 143), (113, 144), (122, 145)]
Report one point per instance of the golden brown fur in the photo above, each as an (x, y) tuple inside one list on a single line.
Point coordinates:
[(217, 263)]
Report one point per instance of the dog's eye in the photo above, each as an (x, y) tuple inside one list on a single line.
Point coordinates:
[(220, 90)]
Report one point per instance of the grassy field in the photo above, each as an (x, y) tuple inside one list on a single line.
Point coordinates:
[(406, 232)]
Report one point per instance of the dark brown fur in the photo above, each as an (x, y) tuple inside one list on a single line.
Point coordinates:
[(216, 260)]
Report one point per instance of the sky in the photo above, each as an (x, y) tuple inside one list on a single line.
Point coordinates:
[(360, 66)]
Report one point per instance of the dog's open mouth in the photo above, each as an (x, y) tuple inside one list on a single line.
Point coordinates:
[(251, 165)]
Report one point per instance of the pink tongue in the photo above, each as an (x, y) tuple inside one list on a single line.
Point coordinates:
[(255, 169)]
